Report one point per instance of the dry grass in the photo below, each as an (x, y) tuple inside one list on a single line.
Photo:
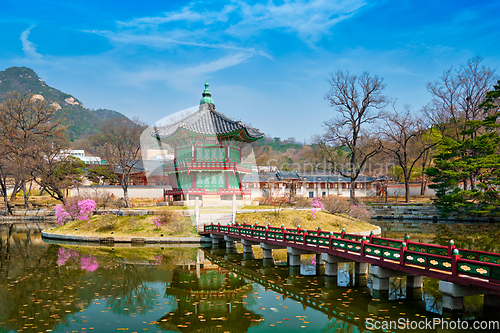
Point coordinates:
[(128, 226), (166, 208), (293, 218)]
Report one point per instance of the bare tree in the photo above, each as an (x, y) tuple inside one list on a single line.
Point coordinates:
[(30, 132), (401, 131), (119, 142), (358, 102), (457, 95), (456, 100)]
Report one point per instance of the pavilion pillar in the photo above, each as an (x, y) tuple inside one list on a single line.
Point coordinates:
[(193, 180)]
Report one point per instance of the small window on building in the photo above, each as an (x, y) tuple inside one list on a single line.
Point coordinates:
[(348, 185), (324, 194), (361, 185), (336, 185), (311, 194)]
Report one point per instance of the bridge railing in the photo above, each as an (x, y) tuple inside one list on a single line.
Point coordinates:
[(430, 257)]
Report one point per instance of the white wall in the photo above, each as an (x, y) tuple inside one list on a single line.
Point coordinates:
[(117, 191)]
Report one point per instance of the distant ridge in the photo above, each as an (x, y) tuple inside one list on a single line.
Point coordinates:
[(81, 121)]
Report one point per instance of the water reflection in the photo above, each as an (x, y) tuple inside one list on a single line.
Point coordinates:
[(103, 289)]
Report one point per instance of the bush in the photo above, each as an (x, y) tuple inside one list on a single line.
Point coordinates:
[(339, 205), (104, 199), (335, 204), (300, 201), (171, 223), (360, 211)]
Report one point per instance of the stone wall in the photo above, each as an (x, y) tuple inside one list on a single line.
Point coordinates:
[(404, 211), (133, 191)]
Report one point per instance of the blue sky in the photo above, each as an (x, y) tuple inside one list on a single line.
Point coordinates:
[(266, 61)]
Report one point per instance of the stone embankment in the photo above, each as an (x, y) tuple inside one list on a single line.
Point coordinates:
[(421, 211), (417, 211)]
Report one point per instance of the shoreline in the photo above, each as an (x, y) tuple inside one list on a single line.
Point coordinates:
[(149, 240)]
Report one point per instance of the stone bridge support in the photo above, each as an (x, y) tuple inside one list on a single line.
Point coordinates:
[(294, 255), (230, 242), (216, 239), (380, 278), (331, 263), (267, 250), (247, 245), (453, 297), (247, 249)]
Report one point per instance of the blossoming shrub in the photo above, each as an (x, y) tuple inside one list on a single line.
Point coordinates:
[(75, 209), (317, 205)]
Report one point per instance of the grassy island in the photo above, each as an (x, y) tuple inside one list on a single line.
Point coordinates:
[(165, 224), (304, 218), (172, 224)]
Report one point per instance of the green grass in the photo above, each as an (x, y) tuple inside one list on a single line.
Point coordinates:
[(128, 226), (293, 218)]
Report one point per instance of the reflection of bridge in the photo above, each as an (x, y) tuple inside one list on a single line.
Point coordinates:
[(462, 272), (321, 299)]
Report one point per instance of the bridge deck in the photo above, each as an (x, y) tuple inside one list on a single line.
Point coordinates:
[(465, 267)]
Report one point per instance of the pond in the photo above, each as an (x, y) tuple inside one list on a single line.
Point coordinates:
[(47, 287)]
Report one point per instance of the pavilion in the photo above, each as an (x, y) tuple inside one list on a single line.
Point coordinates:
[(209, 157)]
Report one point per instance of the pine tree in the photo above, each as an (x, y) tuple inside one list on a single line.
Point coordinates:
[(474, 161)]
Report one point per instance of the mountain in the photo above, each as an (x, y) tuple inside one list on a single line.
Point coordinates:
[(81, 121)]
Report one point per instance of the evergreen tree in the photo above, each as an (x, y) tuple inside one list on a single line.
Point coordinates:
[(474, 161)]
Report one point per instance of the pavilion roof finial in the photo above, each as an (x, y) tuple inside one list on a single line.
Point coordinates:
[(207, 96)]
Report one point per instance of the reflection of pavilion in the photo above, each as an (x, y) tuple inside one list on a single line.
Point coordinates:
[(211, 299)]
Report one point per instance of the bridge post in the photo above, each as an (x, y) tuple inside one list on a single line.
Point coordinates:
[(267, 254), (294, 255), (360, 268), (414, 282), (247, 246), (331, 264), (216, 239), (381, 275), (230, 242), (453, 296), (267, 250)]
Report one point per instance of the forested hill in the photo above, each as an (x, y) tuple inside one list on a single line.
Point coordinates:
[(81, 121)]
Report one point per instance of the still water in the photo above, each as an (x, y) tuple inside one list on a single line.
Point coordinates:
[(46, 287)]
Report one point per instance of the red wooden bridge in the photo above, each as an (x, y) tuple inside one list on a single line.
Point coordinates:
[(470, 268)]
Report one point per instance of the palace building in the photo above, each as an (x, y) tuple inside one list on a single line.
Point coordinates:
[(209, 156)]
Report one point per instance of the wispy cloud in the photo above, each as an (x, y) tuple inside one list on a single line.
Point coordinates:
[(309, 20), (28, 47), (185, 14), (160, 41), (184, 77)]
